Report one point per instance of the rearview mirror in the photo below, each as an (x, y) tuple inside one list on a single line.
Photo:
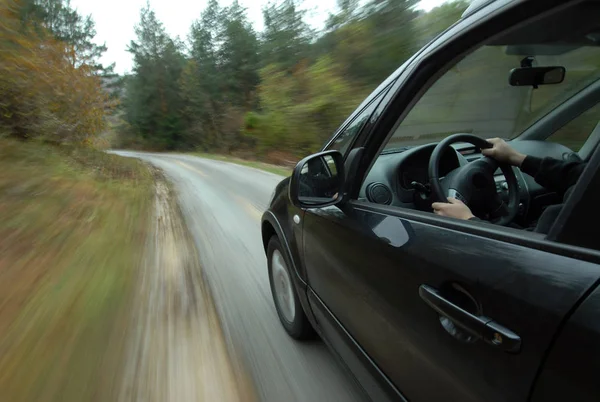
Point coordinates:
[(317, 180), (534, 76)]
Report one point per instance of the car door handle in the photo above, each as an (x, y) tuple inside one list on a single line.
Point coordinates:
[(479, 326)]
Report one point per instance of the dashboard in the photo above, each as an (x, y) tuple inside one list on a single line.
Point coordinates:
[(414, 167), (401, 178)]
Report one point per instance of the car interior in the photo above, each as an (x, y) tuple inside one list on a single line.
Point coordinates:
[(484, 94)]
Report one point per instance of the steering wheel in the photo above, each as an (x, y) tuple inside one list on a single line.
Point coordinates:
[(474, 183)]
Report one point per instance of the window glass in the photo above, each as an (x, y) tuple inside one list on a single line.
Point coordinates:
[(475, 97), (346, 138), (575, 133)]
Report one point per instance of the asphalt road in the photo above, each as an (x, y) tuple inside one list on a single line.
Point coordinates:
[(222, 204)]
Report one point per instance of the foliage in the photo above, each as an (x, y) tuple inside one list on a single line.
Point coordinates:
[(73, 223), (65, 24), (301, 109), (43, 94), (153, 101), (285, 89), (438, 19), (286, 37)]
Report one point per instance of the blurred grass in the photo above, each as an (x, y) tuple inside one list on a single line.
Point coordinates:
[(72, 229), (279, 170)]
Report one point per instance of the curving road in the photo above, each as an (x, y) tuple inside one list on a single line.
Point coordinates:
[(222, 204)]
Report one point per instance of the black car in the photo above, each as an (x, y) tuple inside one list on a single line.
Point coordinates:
[(425, 307)]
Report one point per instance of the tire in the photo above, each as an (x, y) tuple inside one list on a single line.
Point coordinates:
[(290, 311)]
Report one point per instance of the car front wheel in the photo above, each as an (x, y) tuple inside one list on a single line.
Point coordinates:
[(286, 300)]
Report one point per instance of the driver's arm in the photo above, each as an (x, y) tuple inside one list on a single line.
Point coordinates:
[(553, 174)]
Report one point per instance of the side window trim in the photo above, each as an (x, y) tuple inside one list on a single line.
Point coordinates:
[(590, 144), (501, 233), (563, 114), (572, 225), (571, 133)]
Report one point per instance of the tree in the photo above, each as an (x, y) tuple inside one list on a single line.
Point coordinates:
[(428, 25), (283, 89), (302, 109), (201, 89), (370, 41), (286, 37), (238, 56), (220, 79), (348, 11), (66, 25), (42, 93), (153, 103)]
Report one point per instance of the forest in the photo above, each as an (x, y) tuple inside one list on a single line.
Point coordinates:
[(274, 94)]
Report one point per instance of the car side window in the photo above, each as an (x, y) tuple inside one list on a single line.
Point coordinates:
[(576, 132), (346, 137), (470, 101)]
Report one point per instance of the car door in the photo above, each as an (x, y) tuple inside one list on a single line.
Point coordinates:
[(379, 276), (368, 267)]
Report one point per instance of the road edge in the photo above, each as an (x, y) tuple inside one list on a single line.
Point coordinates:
[(137, 384)]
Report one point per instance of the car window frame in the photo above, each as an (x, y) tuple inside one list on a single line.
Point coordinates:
[(589, 135), (573, 221), (419, 76), (563, 114), (377, 98)]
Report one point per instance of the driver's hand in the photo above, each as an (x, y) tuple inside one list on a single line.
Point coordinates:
[(502, 152), (453, 208)]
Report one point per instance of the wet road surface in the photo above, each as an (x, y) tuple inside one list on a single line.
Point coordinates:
[(222, 204)]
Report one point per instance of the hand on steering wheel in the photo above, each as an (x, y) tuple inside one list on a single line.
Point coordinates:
[(453, 208), (473, 184)]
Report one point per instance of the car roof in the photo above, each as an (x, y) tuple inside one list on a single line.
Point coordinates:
[(475, 6)]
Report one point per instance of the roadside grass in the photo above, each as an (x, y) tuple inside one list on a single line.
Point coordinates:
[(279, 170), (73, 224)]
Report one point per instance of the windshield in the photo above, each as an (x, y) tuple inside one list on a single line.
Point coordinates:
[(475, 97)]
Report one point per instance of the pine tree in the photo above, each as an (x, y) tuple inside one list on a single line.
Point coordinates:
[(62, 21), (238, 56), (286, 37), (153, 103)]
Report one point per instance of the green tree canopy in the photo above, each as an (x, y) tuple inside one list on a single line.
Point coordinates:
[(283, 90), (153, 100)]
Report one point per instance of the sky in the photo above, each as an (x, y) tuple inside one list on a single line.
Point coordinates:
[(115, 19)]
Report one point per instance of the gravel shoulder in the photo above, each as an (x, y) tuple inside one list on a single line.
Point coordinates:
[(177, 351)]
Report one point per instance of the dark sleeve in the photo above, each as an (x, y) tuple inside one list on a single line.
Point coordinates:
[(553, 174)]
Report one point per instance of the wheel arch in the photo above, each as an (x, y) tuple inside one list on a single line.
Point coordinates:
[(267, 231), (270, 227)]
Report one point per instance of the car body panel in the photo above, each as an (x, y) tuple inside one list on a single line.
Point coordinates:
[(367, 268), (278, 221), (375, 383), (572, 367)]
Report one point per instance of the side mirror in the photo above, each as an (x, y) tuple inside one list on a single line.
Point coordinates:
[(318, 180)]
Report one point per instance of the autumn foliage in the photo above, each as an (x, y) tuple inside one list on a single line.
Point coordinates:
[(45, 92)]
